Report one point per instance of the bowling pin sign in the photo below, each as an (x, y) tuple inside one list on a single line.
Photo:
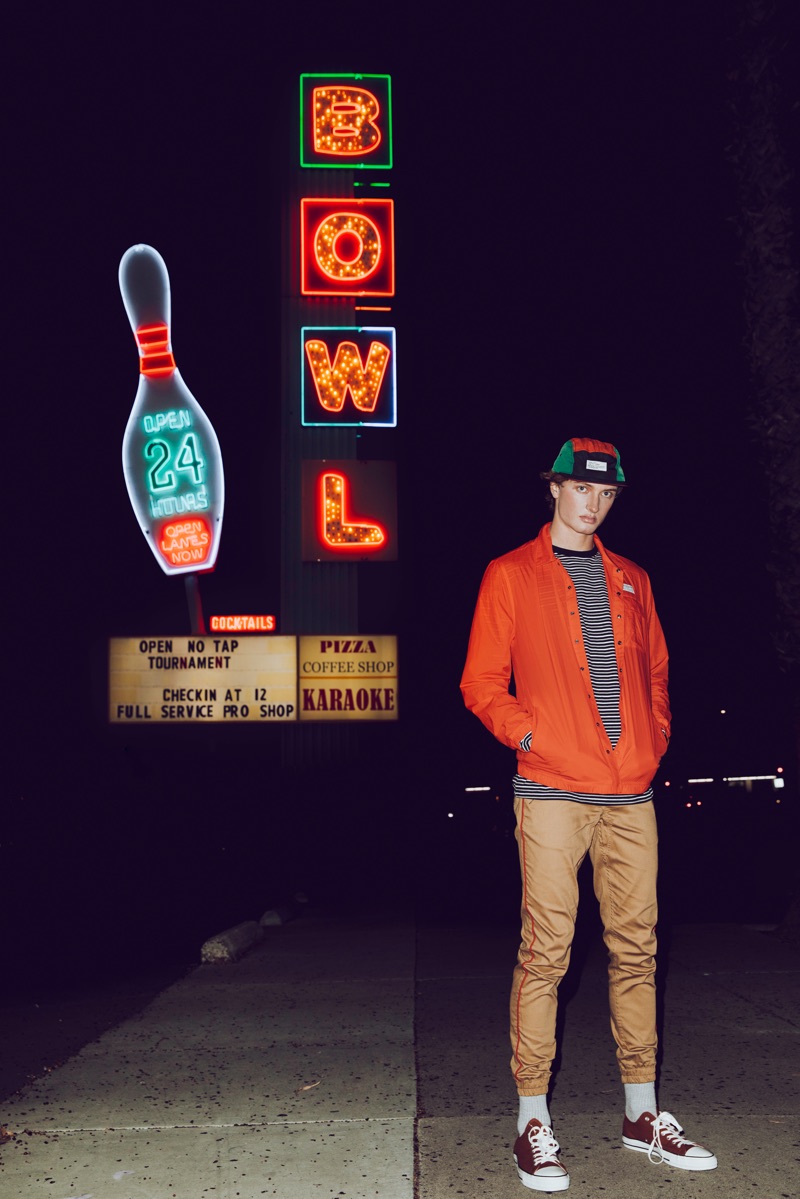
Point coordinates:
[(170, 453)]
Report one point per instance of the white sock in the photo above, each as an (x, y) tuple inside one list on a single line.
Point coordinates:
[(640, 1097), (532, 1107)]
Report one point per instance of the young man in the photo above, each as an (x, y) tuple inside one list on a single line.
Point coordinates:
[(589, 720)]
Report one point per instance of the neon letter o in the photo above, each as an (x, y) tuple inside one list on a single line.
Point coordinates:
[(367, 236)]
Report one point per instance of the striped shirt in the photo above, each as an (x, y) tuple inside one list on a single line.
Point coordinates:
[(585, 568)]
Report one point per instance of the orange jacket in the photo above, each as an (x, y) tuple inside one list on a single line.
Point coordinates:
[(527, 620)]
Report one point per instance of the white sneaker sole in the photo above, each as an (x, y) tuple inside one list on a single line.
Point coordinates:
[(672, 1159), (542, 1184)]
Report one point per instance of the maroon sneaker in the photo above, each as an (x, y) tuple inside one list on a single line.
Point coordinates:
[(661, 1138), (536, 1156)]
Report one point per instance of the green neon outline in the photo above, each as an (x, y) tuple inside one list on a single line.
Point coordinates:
[(198, 464), (153, 471), (349, 166)]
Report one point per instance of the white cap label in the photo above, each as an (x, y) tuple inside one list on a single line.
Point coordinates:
[(593, 464)]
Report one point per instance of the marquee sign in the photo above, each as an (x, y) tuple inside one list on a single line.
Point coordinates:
[(348, 678), (348, 376), (251, 680), (346, 121), (223, 680)]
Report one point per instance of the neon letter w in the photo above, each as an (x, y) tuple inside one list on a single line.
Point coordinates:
[(332, 381)]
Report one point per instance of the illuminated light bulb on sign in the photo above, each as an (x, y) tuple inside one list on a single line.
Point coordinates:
[(170, 453), (340, 530)]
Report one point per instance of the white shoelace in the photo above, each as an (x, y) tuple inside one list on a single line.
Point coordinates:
[(544, 1145), (666, 1123)]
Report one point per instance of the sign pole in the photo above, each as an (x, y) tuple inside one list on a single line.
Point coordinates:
[(197, 623)]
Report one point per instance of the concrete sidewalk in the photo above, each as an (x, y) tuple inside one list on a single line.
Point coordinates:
[(355, 1058)]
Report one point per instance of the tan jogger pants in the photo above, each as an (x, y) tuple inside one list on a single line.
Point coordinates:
[(554, 837)]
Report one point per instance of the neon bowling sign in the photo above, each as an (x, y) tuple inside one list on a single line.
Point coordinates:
[(170, 453), (349, 510), (346, 121), (348, 376), (346, 247)]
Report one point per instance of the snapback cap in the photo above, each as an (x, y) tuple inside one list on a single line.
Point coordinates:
[(590, 461)]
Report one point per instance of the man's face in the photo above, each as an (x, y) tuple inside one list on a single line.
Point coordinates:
[(580, 508)]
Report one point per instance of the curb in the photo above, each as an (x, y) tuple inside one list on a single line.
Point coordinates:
[(233, 943)]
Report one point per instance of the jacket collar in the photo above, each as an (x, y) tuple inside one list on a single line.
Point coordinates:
[(543, 544), (542, 547)]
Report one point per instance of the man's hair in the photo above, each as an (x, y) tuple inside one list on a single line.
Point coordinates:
[(552, 476)]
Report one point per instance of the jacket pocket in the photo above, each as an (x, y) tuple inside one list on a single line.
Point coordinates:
[(633, 615), (660, 742)]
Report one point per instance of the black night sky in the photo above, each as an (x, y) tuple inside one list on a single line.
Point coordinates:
[(567, 265)]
